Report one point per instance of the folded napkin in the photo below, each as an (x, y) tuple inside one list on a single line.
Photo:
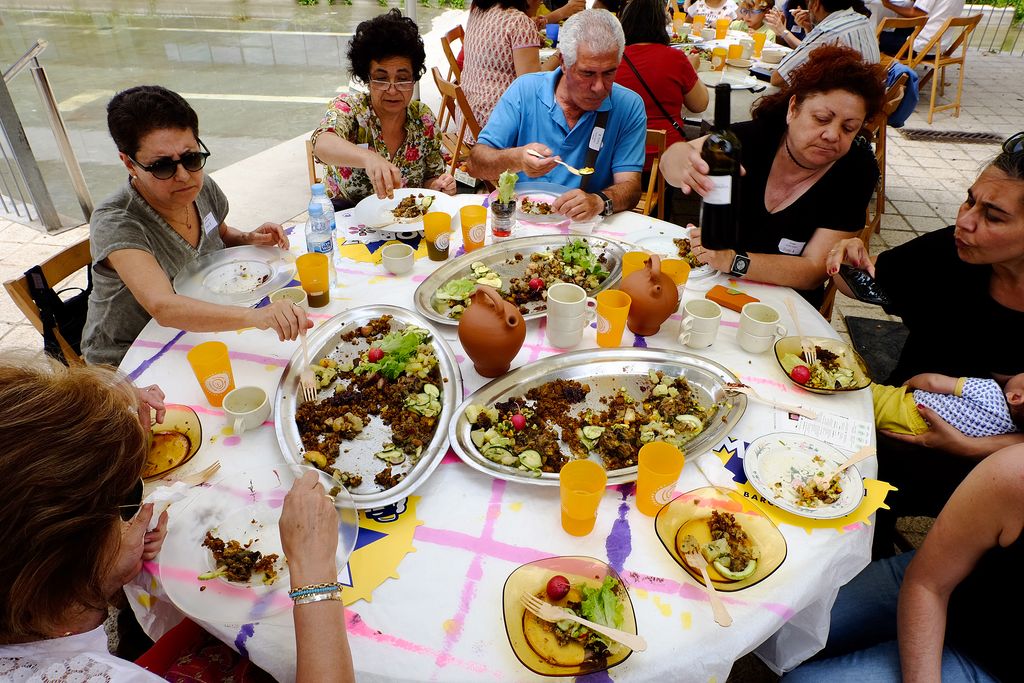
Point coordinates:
[(162, 497)]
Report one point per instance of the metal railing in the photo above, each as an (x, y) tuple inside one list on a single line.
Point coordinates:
[(1001, 26), (24, 196)]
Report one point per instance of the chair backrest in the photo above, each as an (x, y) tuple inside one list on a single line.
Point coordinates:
[(456, 34), (906, 52), (311, 164), (654, 193), (453, 93), (958, 31), (55, 269)]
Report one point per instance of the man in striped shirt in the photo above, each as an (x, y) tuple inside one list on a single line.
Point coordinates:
[(842, 22)]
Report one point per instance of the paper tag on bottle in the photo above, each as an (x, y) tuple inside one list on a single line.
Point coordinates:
[(791, 247), (722, 191), (210, 223), (596, 137)]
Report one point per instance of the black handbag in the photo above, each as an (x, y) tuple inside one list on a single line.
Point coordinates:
[(57, 314)]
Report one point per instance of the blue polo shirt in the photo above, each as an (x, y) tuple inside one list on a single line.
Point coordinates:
[(528, 112)]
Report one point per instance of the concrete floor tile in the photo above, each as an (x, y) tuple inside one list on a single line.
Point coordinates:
[(21, 337), (895, 238), (924, 224), (913, 208), (31, 254), (928, 183), (934, 162), (19, 234), (946, 211), (895, 222), (903, 193)]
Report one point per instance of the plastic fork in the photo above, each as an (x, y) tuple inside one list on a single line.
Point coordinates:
[(787, 407), (202, 475), (306, 378), (805, 342), (571, 169), (549, 612), (721, 614)]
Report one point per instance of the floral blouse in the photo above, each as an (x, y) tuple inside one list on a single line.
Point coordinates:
[(351, 117)]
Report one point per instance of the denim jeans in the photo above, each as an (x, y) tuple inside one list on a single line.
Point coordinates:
[(862, 646)]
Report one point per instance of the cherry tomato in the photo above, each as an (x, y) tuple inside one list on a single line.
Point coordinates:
[(800, 374), (558, 587), (536, 283), (375, 354), (519, 422)]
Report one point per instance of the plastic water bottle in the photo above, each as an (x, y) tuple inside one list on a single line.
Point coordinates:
[(320, 197), (318, 232)]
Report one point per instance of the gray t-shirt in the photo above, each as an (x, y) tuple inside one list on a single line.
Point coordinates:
[(125, 221)]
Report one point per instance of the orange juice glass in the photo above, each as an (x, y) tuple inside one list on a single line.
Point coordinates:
[(581, 483), (722, 27), (677, 269), (736, 51), (437, 225), (658, 470), (759, 38), (633, 261), (212, 367), (718, 55), (612, 310), (474, 226), (698, 24), (314, 274)]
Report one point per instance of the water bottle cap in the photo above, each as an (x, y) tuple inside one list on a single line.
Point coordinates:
[(318, 188), (316, 210)]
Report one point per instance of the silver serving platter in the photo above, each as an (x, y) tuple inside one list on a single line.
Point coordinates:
[(494, 257), (605, 370), (236, 276), (325, 342)]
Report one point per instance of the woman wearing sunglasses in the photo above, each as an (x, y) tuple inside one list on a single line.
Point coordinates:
[(165, 216), (372, 143), (960, 293), (73, 533)]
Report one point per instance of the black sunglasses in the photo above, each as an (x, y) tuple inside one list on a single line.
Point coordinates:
[(134, 501), (163, 169), (1014, 144)]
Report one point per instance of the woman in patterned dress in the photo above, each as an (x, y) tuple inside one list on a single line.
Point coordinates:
[(381, 140), (502, 43)]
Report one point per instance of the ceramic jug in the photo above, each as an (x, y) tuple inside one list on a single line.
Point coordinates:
[(492, 331), (654, 296)]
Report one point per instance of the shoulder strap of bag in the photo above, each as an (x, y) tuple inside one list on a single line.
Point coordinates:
[(671, 119), (596, 143)]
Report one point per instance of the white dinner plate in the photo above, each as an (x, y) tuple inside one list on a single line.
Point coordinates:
[(659, 239), (376, 213), (738, 81), (183, 558), (236, 276), (785, 458)]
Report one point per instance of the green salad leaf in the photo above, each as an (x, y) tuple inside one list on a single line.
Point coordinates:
[(507, 187), (579, 254), (602, 604), (456, 290), (398, 348)]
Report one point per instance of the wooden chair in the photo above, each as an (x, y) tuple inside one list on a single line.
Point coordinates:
[(957, 32), (445, 116), (311, 165), (56, 269), (906, 51), (456, 143), (654, 195)]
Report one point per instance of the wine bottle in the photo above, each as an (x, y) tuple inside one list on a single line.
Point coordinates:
[(719, 215)]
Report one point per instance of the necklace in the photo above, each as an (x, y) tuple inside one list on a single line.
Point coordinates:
[(792, 158), (188, 218)]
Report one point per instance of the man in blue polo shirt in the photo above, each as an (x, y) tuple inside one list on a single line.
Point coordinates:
[(575, 113)]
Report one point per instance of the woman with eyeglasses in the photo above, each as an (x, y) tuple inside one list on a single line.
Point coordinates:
[(167, 215), (960, 293), (73, 532), (750, 18), (375, 142)]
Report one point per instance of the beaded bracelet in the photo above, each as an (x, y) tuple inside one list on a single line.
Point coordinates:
[(317, 597), (314, 589)]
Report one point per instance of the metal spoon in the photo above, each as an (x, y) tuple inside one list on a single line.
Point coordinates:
[(571, 169)]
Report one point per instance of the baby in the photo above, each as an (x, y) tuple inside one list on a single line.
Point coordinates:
[(751, 15), (976, 407), (712, 10)]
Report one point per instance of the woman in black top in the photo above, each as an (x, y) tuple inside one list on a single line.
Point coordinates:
[(808, 173)]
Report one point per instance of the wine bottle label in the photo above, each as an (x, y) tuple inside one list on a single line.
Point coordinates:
[(722, 192)]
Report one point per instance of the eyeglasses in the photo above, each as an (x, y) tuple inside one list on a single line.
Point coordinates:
[(1014, 144), (164, 169), (131, 508), (751, 10), (400, 86)]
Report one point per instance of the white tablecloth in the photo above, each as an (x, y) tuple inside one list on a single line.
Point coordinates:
[(440, 617)]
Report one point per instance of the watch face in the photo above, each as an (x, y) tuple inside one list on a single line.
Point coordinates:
[(740, 264)]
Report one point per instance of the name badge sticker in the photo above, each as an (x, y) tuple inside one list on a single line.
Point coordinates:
[(210, 223), (790, 247), (596, 138)]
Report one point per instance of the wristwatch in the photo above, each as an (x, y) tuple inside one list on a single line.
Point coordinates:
[(740, 264), (609, 208)]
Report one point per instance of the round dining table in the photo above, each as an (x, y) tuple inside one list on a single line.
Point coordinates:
[(435, 610)]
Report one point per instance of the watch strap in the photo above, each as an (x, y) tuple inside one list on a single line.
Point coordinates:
[(608, 207)]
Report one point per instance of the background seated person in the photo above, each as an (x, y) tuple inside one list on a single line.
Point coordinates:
[(937, 12), (372, 143), (167, 215), (555, 114), (952, 597), (72, 532), (711, 10), (809, 174), (835, 22), (751, 14), (789, 23)]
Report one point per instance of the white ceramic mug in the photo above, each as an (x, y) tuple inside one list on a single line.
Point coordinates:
[(398, 259), (760, 320), (566, 332), (708, 33), (752, 343), (246, 408), (566, 300), (296, 295), (698, 340), (701, 319), (748, 48)]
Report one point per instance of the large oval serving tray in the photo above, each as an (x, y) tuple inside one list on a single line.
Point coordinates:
[(359, 459), (236, 276), (494, 257), (605, 370)]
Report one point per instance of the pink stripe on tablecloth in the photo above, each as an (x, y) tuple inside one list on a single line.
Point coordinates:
[(491, 548), (235, 355)]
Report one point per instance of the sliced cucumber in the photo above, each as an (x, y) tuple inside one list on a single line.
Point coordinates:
[(530, 459), (392, 455), (478, 437), (431, 390), (473, 412), (593, 432), (735, 576)]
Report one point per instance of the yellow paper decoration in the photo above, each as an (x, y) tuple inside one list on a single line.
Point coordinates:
[(375, 562)]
